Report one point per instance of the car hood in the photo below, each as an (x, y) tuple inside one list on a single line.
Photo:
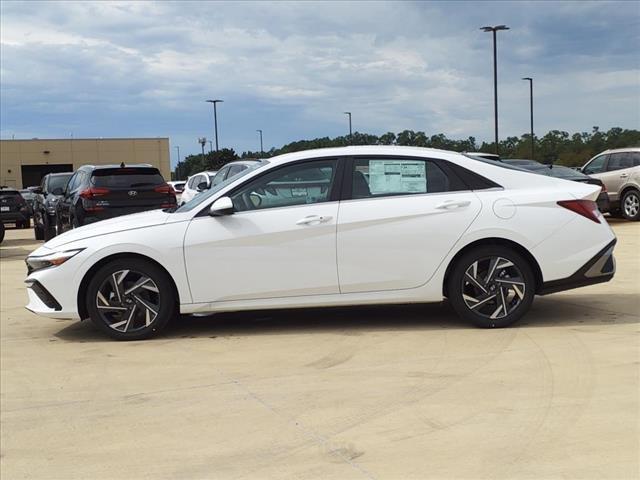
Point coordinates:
[(113, 225)]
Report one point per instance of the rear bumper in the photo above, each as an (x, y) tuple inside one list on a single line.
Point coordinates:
[(601, 268)]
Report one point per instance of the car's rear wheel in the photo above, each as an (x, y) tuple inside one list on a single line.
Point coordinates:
[(631, 205), (131, 299), (491, 286)]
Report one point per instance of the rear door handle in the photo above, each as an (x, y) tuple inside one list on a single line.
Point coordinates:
[(453, 204), (313, 220)]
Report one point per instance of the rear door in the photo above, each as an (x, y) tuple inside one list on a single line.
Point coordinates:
[(130, 189), (400, 218), (617, 173)]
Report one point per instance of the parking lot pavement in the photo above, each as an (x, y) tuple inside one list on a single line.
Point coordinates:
[(394, 392)]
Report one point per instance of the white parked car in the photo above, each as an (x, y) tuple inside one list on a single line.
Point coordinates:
[(342, 226), (196, 183), (178, 187)]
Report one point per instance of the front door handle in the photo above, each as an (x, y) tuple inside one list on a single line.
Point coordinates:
[(313, 220), (453, 204)]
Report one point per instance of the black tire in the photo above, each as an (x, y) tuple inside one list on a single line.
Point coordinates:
[(38, 231), (630, 205), (27, 223), (1, 232), (163, 303), (471, 295), (49, 230)]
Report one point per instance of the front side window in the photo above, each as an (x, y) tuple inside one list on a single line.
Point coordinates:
[(382, 177), (220, 176), (596, 165), (235, 169), (300, 184)]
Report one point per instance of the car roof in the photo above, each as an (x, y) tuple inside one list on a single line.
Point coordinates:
[(391, 150), (127, 165), (621, 150), (244, 162), (59, 174)]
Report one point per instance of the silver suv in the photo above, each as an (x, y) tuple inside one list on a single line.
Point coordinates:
[(619, 170)]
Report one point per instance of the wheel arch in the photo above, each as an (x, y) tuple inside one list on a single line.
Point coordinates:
[(537, 271), (84, 284), (627, 188)]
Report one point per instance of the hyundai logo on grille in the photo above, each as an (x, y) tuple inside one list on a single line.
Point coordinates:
[(132, 193)]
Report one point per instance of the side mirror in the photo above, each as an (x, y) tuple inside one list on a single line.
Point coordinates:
[(222, 206), (37, 191), (202, 186), (57, 191)]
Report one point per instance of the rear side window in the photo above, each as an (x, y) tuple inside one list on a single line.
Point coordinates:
[(618, 161), (382, 177), (59, 181), (126, 177), (220, 176)]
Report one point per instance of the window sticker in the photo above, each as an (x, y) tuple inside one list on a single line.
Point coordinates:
[(397, 176)]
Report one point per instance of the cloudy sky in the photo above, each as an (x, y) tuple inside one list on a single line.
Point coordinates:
[(112, 69)]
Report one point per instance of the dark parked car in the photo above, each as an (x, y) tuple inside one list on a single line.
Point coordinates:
[(14, 208), (44, 206), (566, 173), (96, 193)]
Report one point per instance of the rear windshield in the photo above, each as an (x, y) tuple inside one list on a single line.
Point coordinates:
[(126, 177), (59, 181)]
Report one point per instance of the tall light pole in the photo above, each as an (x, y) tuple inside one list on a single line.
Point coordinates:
[(495, 76), (210, 146), (202, 141), (350, 131), (261, 148), (530, 80), (215, 118), (178, 164)]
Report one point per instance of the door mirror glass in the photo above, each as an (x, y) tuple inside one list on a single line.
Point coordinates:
[(57, 191), (202, 186), (222, 206)]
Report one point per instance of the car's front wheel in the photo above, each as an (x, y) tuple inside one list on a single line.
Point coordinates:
[(131, 299), (631, 205), (491, 286), (49, 227)]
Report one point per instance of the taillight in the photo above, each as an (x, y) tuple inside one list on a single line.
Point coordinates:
[(93, 192), (586, 208), (166, 188)]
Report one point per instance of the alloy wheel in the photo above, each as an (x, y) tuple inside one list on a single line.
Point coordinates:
[(128, 301), (493, 287), (631, 204)]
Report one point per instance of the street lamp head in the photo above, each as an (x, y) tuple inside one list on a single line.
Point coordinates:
[(527, 78), (202, 140), (494, 29), (214, 101), (347, 113)]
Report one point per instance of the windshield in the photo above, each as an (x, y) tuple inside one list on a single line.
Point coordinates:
[(58, 181), (202, 197)]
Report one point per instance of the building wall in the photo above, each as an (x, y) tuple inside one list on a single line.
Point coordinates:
[(90, 151)]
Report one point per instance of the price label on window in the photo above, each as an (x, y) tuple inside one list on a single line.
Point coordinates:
[(397, 176)]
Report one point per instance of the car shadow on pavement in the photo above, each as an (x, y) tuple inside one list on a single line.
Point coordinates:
[(559, 311)]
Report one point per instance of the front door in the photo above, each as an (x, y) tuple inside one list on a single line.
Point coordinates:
[(403, 218), (279, 242)]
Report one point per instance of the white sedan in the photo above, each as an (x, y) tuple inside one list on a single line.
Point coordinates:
[(343, 226)]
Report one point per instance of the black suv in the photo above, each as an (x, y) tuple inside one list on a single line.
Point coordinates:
[(14, 208), (96, 193), (44, 205)]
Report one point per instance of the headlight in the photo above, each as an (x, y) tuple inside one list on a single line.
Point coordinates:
[(50, 260)]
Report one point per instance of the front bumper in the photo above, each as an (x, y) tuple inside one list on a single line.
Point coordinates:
[(601, 268)]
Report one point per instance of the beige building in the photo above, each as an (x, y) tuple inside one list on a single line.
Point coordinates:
[(23, 163)]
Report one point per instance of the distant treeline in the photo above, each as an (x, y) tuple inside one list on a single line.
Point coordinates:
[(555, 147)]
